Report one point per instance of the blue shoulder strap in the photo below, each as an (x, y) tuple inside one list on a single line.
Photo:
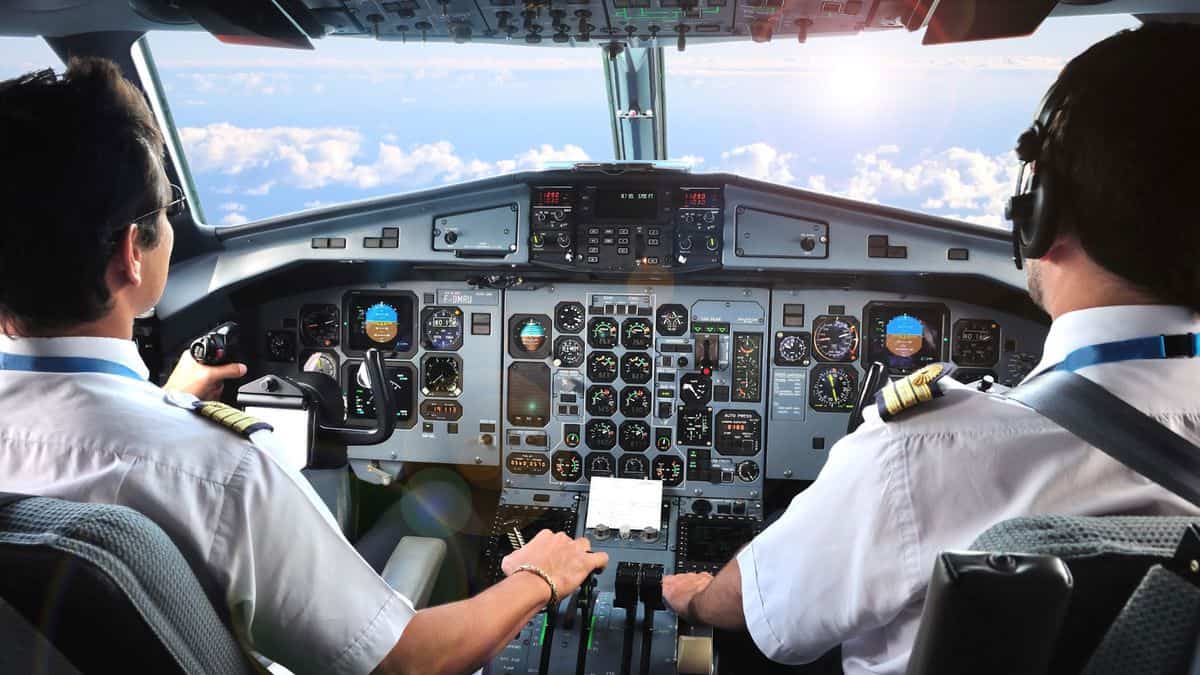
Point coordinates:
[(1184, 345)]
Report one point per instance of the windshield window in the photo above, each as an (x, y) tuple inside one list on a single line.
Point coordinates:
[(268, 131), (874, 117), (20, 55)]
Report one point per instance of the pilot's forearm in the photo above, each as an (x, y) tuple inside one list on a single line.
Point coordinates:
[(462, 636), (720, 604)]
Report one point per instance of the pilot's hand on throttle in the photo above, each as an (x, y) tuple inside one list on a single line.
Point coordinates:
[(568, 561), (203, 382), (679, 589)]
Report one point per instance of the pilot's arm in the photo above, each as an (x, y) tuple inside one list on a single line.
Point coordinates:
[(843, 559)]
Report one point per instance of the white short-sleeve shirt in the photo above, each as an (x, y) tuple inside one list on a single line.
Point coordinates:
[(849, 561), (293, 584)]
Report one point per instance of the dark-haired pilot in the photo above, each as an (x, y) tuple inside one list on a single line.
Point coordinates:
[(849, 561), (84, 248)]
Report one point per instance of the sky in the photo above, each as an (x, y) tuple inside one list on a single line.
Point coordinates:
[(874, 117)]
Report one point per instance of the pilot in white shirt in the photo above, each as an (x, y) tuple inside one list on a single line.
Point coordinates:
[(849, 561), (80, 421)]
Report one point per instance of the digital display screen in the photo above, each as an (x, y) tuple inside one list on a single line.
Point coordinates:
[(528, 394), (713, 542), (904, 336), (361, 401), (381, 321), (626, 204), (698, 199), (550, 197)]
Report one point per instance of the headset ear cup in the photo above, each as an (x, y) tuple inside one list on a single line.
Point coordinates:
[(1038, 231)]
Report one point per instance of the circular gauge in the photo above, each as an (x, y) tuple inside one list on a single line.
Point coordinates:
[(636, 368), (531, 334), (832, 388), (281, 346), (637, 334), (635, 401), (319, 325), (747, 471), (321, 362), (632, 466), (569, 317), (442, 328), (601, 400), (672, 320), (441, 376), (602, 332), (835, 337), (566, 466), (602, 366), (635, 436), (791, 349), (599, 464), (695, 390), (668, 469), (976, 342), (568, 351), (601, 434)]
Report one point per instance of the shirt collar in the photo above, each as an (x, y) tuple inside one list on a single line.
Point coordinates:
[(1097, 325), (124, 352)]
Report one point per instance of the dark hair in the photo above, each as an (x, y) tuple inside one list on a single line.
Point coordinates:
[(81, 159), (1126, 153)]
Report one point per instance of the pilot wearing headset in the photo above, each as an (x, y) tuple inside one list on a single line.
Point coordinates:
[(1108, 219), (85, 247)]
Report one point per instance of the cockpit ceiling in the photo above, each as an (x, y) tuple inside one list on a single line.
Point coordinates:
[(294, 23)]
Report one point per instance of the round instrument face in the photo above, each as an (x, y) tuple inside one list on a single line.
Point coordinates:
[(602, 366), (832, 388), (835, 337), (531, 334), (695, 389), (281, 345), (319, 325), (603, 332), (668, 469), (635, 436), (599, 464), (601, 434), (635, 401), (441, 376), (632, 466), (976, 342), (568, 350), (747, 471), (321, 362), (636, 368), (569, 317), (791, 349), (566, 466), (637, 334), (442, 328), (672, 319), (601, 400)]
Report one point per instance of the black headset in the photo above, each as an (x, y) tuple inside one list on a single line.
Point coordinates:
[(1032, 208)]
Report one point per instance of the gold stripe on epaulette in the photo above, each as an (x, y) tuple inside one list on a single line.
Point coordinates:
[(907, 392), (230, 417)]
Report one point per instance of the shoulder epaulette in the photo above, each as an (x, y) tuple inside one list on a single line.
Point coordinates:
[(911, 390), (230, 417)]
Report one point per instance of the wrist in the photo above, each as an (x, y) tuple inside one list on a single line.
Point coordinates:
[(539, 589)]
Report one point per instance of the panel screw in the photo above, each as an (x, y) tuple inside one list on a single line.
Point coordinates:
[(787, 473), (1194, 566)]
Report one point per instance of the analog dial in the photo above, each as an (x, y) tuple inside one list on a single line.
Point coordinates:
[(325, 363), (976, 342), (601, 400), (835, 337), (441, 376), (668, 469), (599, 464), (568, 351), (832, 388), (319, 325), (672, 319), (603, 332), (791, 349), (601, 434), (748, 471), (637, 334), (635, 436), (530, 334), (566, 466), (636, 368), (569, 317), (635, 401), (442, 328), (632, 466), (695, 389), (281, 346), (602, 366)]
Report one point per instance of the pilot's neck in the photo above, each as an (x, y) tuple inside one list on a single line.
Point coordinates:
[(115, 324)]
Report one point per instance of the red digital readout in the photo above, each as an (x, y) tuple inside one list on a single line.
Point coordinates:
[(550, 198), (695, 199)]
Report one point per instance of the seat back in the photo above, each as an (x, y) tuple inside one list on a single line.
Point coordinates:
[(107, 588)]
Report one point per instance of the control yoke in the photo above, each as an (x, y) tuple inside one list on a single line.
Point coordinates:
[(385, 408), (874, 380)]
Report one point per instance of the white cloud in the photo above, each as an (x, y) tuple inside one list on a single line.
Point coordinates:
[(315, 157), (234, 219), (759, 160), (315, 204), (232, 206), (692, 161), (260, 190)]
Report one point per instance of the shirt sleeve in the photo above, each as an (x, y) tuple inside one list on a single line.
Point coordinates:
[(843, 558), (306, 597)]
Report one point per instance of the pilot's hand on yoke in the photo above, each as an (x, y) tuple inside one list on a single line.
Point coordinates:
[(680, 589), (567, 561), (204, 382)]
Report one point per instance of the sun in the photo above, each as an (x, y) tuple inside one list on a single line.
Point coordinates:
[(854, 81)]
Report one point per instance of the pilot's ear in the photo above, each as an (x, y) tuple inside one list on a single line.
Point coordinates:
[(125, 267)]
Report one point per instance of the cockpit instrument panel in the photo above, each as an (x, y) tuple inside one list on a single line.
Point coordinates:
[(976, 342), (380, 320), (905, 336)]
